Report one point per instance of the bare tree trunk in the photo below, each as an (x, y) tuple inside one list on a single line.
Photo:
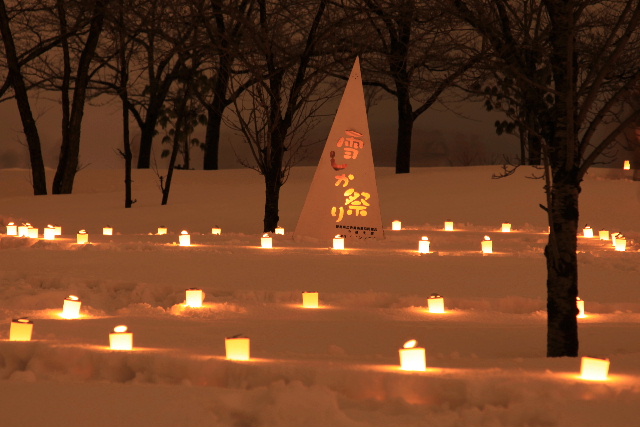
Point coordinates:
[(38, 175), (405, 131), (124, 96), (212, 138), (176, 145)]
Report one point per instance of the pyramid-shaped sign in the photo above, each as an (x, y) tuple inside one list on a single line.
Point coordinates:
[(343, 198)]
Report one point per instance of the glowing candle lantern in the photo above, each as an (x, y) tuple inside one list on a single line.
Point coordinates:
[(82, 238), (448, 226), (280, 231), (627, 165), (237, 348), (50, 233), (185, 238), (121, 338), (506, 227), (423, 245), (587, 232), (12, 229), (194, 297), (412, 358), (107, 231), (338, 242), (21, 329), (58, 230), (435, 302), (396, 225), (580, 306), (23, 230), (614, 237), (162, 230), (310, 299), (621, 243), (487, 245), (603, 234), (266, 241), (216, 230), (71, 307), (33, 232), (594, 369)]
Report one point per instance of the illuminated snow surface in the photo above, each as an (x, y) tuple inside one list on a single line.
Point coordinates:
[(336, 365)]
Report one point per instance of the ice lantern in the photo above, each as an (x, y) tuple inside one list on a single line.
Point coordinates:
[(21, 329), (594, 369), (627, 165), (423, 245), (266, 241), (71, 307), (487, 245), (121, 339), (396, 225), (603, 234), (184, 238), (162, 230), (194, 297), (280, 231), (49, 233), (435, 302), (338, 242), (448, 226), (82, 238), (621, 243), (506, 227), (580, 306), (216, 230), (107, 231), (12, 229), (413, 358), (587, 232), (23, 230), (310, 299), (237, 348)]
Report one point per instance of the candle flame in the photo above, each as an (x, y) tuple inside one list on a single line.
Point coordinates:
[(82, 232), (410, 344), (50, 226), (184, 232), (11, 223), (425, 238), (338, 236), (73, 298), (265, 235), (578, 299), (120, 329), (487, 238)]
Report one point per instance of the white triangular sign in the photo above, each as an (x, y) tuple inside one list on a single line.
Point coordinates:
[(343, 198)]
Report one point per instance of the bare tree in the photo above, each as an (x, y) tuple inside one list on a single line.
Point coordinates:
[(591, 53)]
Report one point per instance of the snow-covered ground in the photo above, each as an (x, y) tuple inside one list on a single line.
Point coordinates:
[(332, 366)]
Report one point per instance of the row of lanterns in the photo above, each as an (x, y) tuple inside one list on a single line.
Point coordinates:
[(618, 241), (396, 225)]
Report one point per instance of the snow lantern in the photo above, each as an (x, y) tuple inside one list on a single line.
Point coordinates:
[(12, 229), (266, 241), (412, 358), (21, 329), (121, 338), (614, 237), (33, 232), (396, 225), (58, 230), (627, 165), (580, 306), (49, 233), (338, 242), (194, 297), (487, 245), (603, 234), (162, 230), (310, 299), (280, 231), (448, 225), (506, 227), (423, 245), (107, 231), (216, 230), (71, 307), (594, 369), (237, 348), (621, 243), (23, 230), (184, 238), (587, 232), (82, 238), (435, 302)]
